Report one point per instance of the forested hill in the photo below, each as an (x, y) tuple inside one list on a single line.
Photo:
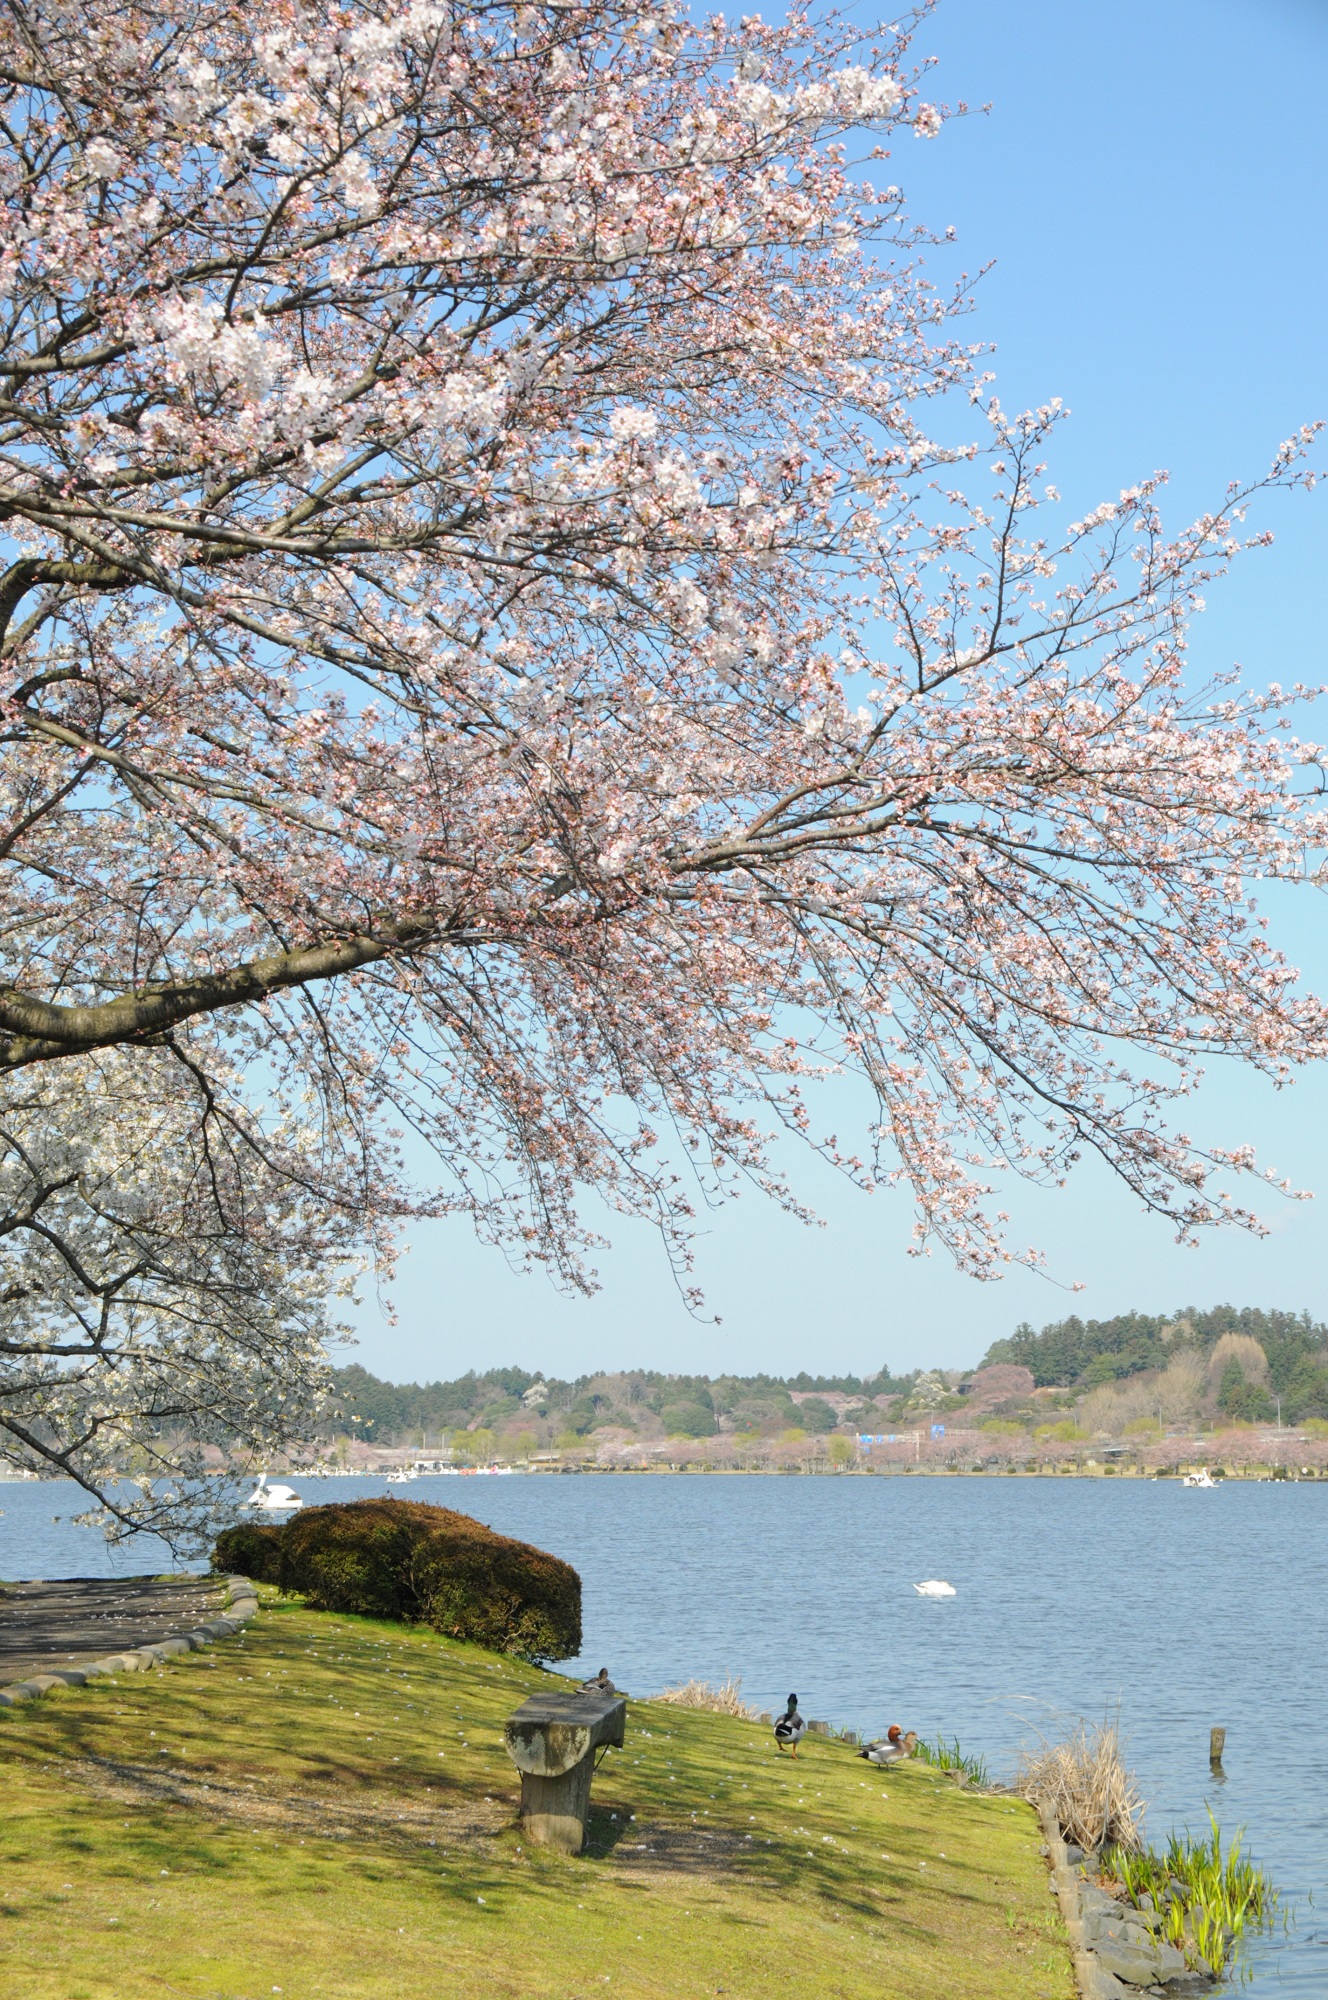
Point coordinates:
[(1088, 1352), (1067, 1353), (381, 1411)]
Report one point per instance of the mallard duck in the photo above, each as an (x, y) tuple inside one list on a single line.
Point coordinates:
[(790, 1727), (892, 1748), (600, 1684)]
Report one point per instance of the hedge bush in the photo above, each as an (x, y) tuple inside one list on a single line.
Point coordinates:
[(253, 1550), (356, 1555), (407, 1560), (497, 1592)]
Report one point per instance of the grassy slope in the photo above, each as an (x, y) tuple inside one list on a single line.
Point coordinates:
[(275, 1816)]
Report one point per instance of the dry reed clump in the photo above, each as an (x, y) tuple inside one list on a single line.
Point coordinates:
[(1083, 1782), (723, 1700)]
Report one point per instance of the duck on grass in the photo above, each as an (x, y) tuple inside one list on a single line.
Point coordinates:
[(790, 1728), (892, 1748)]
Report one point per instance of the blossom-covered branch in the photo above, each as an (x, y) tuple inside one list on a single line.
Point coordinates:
[(505, 607), (166, 1279)]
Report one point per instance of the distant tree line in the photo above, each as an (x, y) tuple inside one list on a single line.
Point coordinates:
[(1070, 1353), (687, 1405), (1077, 1353)]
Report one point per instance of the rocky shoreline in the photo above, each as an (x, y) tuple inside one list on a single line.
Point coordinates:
[(1118, 1954)]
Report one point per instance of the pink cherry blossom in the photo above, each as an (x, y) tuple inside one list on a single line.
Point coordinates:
[(518, 609)]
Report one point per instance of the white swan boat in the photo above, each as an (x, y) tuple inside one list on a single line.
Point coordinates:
[(273, 1499), (1203, 1477), (933, 1587)]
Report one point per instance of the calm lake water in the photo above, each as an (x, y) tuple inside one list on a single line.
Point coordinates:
[(1075, 1598)]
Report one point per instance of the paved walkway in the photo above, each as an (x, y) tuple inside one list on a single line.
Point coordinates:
[(68, 1622)]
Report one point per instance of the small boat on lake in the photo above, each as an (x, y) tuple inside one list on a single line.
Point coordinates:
[(273, 1499), (1203, 1477), (934, 1587)]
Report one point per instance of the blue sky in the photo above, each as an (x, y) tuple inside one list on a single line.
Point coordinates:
[(1150, 181)]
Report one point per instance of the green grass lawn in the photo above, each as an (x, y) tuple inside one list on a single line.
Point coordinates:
[(324, 1808)]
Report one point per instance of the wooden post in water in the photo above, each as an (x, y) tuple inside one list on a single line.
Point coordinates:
[(1216, 1744)]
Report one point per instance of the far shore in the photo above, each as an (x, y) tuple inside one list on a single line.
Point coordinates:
[(1238, 1452), (1254, 1453), (1282, 1473)]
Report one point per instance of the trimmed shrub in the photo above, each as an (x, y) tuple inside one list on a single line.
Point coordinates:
[(498, 1593), (404, 1559), (356, 1555), (253, 1550)]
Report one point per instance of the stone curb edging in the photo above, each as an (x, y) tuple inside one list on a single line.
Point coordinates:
[(1161, 1968), (240, 1606), (1093, 1980)]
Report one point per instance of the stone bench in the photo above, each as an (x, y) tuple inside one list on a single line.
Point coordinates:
[(552, 1740)]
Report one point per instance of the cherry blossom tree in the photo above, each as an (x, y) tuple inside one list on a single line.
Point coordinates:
[(166, 1281), (521, 607)]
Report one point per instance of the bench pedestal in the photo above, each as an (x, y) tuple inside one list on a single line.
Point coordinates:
[(554, 1810), (552, 1740)]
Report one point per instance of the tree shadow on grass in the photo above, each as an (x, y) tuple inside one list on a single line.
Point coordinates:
[(658, 1847), (395, 1818), (605, 1828)]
